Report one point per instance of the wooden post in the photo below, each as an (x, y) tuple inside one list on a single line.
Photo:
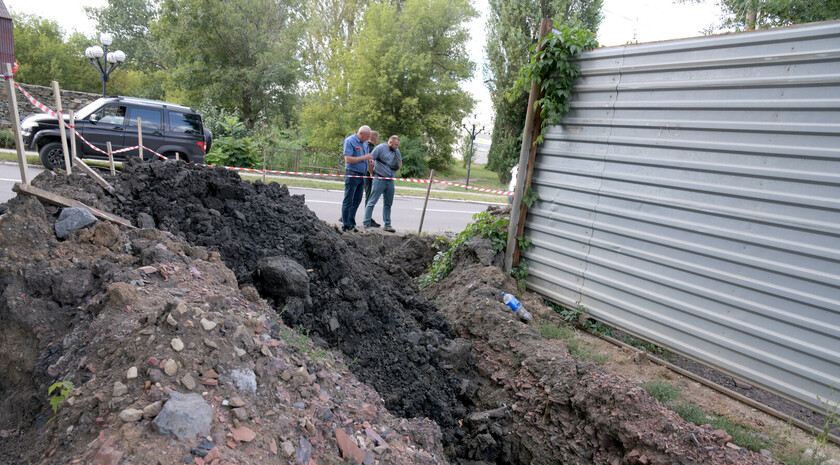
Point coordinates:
[(527, 156), (13, 109), (72, 115), (111, 158), (177, 156), (264, 157), (426, 202), (140, 136), (60, 111)]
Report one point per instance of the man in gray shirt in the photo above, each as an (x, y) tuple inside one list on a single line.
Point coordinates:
[(387, 161)]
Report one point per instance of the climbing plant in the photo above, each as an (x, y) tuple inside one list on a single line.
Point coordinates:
[(553, 67)]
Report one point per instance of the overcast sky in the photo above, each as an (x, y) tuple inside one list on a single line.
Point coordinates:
[(624, 21)]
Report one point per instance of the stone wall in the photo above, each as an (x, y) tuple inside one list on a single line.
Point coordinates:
[(70, 100)]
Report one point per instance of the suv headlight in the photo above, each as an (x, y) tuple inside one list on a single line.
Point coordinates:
[(27, 125)]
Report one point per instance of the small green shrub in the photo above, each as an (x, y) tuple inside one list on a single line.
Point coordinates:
[(483, 225), (232, 151), (662, 391), (552, 331), (58, 392), (586, 352), (7, 139)]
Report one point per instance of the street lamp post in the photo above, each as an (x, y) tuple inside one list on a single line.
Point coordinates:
[(114, 58), (472, 131)]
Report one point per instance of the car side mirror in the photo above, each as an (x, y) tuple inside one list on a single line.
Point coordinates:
[(94, 118)]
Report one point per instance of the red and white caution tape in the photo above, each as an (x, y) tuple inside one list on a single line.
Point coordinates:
[(54, 114), (421, 181), (57, 115)]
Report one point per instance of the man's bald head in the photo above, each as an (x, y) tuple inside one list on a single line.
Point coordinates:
[(364, 133)]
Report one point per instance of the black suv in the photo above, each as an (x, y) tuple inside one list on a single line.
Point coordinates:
[(167, 128)]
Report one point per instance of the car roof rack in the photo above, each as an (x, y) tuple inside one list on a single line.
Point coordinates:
[(145, 101)]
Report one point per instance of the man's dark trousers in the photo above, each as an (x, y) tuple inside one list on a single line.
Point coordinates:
[(353, 190)]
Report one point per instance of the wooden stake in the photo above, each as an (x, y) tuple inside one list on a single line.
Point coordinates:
[(13, 107), (92, 173), (177, 156), (57, 93), (140, 136), (110, 158), (264, 157), (72, 133), (527, 156), (426, 202)]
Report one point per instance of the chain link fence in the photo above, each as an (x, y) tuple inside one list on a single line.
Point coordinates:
[(307, 159)]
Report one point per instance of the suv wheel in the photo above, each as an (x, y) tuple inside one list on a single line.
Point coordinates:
[(52, 156)]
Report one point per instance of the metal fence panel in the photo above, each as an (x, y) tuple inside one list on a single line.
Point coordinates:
[(692, 198)]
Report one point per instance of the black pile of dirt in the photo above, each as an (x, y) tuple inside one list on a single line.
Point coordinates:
[(157, 340), (364, 306)]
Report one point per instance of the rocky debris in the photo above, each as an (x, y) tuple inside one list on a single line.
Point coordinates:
[(72, 219), (115, 319), (281, 278)]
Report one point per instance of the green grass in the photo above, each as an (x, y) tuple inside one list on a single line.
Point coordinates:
[(587, 352), (480, 176), (662, 391), (670, 396), (552, 331)]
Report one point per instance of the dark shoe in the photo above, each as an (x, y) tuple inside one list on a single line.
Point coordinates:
[(389, 229), (374, 224)]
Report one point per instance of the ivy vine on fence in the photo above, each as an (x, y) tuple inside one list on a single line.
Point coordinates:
[(554, 68)]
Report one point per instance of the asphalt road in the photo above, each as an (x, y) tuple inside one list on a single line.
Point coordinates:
[(441, 215)]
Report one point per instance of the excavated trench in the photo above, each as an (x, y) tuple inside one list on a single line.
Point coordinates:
[(497, 391)]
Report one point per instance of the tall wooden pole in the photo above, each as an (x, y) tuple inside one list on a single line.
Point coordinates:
[(13, 107), (140, 137), (426, 202), (527, 156), (67, 166)]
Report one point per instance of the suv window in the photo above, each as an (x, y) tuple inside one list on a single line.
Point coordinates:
[(185, 123), (112, 114), (151, 118)]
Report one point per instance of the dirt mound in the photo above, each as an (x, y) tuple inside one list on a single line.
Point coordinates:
[(538, 405), (366, 306), (131, 318)]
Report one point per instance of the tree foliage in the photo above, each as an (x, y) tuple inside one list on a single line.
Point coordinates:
[(130, 22), (44, 56), (760, 14), (513, 27), (235, 55), (401, 75)]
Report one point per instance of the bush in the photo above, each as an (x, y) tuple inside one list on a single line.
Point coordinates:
[(414, 159), (232, 151), (7, 139)]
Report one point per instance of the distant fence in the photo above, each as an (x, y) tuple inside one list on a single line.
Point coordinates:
[(692, 198), (70, 100), (310, 159)]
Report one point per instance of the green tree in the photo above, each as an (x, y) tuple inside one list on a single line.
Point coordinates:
[(43, 55), (759, 14), (240, 56), (401, 76), (513, 26)]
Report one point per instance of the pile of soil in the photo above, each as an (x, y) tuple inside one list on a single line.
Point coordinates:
[(128, 317), (499, 392)]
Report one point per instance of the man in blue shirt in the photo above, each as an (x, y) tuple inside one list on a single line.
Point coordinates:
[(356, 156), (387, 160)]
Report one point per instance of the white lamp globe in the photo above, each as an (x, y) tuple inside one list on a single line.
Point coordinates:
[(95, 52), (106, 39), (120, 56), (111, 58)]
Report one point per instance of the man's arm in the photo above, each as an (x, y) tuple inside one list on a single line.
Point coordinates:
[(349, 152)]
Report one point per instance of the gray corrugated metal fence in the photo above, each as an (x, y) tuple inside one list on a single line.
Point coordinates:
[(692, 197)]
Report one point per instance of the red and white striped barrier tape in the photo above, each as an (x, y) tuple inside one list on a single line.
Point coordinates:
[(421, 181), (57, 115)]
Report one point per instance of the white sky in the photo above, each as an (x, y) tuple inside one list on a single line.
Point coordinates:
[(624, 21)]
